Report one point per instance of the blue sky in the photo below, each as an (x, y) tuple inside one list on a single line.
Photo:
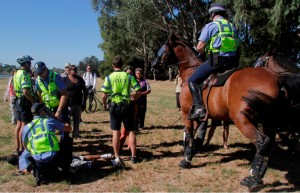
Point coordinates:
[(52, 31)]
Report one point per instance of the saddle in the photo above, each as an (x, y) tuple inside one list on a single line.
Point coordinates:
[(215, 80), (218, 79)]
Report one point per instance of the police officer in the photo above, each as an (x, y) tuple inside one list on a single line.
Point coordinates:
[(24, 97), (118, 85), (219, 37), (51, 90), (42, 144)]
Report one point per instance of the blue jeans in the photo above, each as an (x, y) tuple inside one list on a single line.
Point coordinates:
[(202, 73)]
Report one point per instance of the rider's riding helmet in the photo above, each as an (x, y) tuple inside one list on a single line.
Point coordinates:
[(37, 108), (216, 8), (24, 59)]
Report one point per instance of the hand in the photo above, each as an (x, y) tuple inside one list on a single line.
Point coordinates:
[(105, 107), (57, 114), (67, 128)]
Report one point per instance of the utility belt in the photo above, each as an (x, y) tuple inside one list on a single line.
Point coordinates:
[(224, 62), (120, 110)]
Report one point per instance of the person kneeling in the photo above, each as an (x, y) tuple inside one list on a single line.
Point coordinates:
[(42, 146)]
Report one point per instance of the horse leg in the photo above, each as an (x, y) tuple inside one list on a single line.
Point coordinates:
[(187, 145), (225, 134), (265, 145), (200, 136)]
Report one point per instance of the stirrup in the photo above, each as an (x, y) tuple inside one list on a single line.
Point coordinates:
[(198, 113)]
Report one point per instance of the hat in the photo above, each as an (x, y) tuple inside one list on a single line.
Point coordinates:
[(67, 65), (36, 108), (39, 68)]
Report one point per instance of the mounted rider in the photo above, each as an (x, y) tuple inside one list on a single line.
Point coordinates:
[(219, 40)]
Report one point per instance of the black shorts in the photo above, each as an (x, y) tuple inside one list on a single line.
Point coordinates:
[(23, 111), (128, 121)]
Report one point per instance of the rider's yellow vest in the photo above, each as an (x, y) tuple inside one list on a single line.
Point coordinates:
[(41, 139), (227, 35), (50, 94)]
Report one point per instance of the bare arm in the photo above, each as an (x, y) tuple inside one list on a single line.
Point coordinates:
[(28, 95), (104, 100), (200, 47), (62, 102)]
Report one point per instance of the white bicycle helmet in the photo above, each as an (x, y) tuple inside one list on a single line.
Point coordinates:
[(24, 59)]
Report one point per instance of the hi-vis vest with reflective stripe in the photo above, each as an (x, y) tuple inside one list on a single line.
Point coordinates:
[(41, 139), (118, 84), (227, 35), (20, 79), (49, 95)]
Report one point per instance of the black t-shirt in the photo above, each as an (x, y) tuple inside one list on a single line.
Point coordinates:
[(75, 91)]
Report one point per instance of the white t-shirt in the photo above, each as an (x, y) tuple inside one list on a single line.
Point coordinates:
[(90, 79)]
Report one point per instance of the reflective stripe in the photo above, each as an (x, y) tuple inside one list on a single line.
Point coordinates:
[(49, 94), (41, 139), (227, 35)]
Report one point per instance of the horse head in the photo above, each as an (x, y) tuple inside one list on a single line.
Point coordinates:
[(165, 56), (278, 63), (175, 51)]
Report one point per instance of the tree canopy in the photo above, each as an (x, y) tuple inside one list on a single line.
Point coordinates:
[(135, 29)]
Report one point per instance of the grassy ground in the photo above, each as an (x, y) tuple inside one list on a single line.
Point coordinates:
[(160, 151)]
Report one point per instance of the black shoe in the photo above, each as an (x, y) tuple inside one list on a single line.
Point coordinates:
[(198, 113), (134, 160), (253, 184)]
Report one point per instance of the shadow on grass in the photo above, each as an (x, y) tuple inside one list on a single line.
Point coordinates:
[(281, 159)]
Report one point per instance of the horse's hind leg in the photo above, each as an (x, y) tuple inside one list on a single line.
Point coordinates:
[(264, 145)]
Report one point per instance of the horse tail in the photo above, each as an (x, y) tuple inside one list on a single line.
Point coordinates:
[(261, 107), (281, 111)]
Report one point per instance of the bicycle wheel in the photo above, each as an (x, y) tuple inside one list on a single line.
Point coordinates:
[(91, 106)]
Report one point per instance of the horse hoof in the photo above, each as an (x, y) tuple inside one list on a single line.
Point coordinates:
[(253, 185), (184, 164)]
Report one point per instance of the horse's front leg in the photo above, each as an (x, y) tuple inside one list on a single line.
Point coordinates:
[(187, 144), (265, 145), (200, 137)]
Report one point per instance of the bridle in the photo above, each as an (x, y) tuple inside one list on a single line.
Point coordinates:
[(160, 62)]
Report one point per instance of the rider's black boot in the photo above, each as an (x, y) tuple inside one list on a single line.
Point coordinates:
[(199, 109)]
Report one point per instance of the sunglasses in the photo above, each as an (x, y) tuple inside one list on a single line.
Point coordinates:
[(75, 70)]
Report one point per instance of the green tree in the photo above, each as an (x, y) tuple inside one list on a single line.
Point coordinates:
[(128, 28), (265, 25), (93, 61)]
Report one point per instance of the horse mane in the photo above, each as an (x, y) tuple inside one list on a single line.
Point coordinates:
[(284, 62), (185, 42)]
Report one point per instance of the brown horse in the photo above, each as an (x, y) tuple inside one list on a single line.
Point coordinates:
[(248, 97)]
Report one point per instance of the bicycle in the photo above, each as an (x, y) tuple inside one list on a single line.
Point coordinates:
[(92, 102)]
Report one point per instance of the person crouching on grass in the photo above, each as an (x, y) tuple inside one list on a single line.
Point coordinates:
[(42, 146)]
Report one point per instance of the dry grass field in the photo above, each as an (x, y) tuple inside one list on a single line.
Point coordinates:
[(160, 151)]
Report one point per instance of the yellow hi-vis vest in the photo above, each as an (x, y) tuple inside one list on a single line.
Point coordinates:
[(41, 139), (227, 35), (50, 94)]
